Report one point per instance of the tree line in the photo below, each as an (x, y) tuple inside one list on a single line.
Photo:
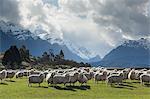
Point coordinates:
[(13, 58)]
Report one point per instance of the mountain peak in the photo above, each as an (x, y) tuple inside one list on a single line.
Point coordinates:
[(19, 36), (132, 53), (143, 42)]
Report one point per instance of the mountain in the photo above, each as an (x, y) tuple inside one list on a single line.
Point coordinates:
[(132, 53), (12, 34), (83, 52), (94, 59)]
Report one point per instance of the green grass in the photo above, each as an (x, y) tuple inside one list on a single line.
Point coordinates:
[(20, 90)]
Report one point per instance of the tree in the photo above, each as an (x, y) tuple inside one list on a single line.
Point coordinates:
[(45, 58), (51, 55), (61, 54), (24, 53), (12, 58)]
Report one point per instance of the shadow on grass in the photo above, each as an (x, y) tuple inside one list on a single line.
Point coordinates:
[(133, 82), (63, 88), (2, 83), (147, 85), (72, 88), (10, 80), (136, 82), (82, 87), (124, 86), (38, 86)]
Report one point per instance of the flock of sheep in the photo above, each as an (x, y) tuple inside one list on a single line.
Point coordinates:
[(81, 75)]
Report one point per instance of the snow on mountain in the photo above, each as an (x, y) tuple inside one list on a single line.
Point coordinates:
[(24, 34), (17, 30), (132, 53), (97, 58), (80, 51)]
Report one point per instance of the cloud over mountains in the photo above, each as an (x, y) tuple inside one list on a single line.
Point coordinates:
[(99, 25)]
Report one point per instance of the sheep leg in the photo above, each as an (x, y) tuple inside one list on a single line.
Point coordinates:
[(141, 82), (29, 85), (95, 81), (86, 83), (106, 83), (47, 84), (111, 84)]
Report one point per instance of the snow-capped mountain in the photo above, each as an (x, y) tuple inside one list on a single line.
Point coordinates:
[(81, 51), (145, 43), (134, 53), (18, 31), (94, 59), (38, 42), (78, 50)]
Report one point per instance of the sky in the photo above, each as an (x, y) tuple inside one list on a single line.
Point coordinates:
[(98, 25)]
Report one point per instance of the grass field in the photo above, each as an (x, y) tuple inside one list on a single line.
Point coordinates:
[(18, 89)]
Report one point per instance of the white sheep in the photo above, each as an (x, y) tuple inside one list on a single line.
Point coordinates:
[(19, 74), (126, 73), (115, 79), (148, 71), (145, 78), (3, 75), (36, 79), (100, 76), (89, 75), (49, 78), (73, 77), (61, 79), (132, 75), (138, 74), (10, 74), (82, 78), (34, 72), (26, 73)]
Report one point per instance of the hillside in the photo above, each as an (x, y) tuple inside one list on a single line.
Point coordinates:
[(132, 53)]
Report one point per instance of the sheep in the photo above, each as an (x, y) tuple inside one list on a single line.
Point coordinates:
[(26, 73), (125, 73), (114, 79), (100, 76), (49, 78), (19, 74), (138, 74), (34, 72), (89, 75), (10, 74), (45, 73), (148, 71), (36, 79), (132, 75), (61, 79), (82, 78), (145, 78), (73, 77), (3, 75)]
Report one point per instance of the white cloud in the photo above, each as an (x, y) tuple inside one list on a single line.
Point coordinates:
[(99, 25), (9, 10)]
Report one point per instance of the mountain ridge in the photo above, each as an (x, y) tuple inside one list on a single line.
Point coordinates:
[(11, 34), (132, 53)]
